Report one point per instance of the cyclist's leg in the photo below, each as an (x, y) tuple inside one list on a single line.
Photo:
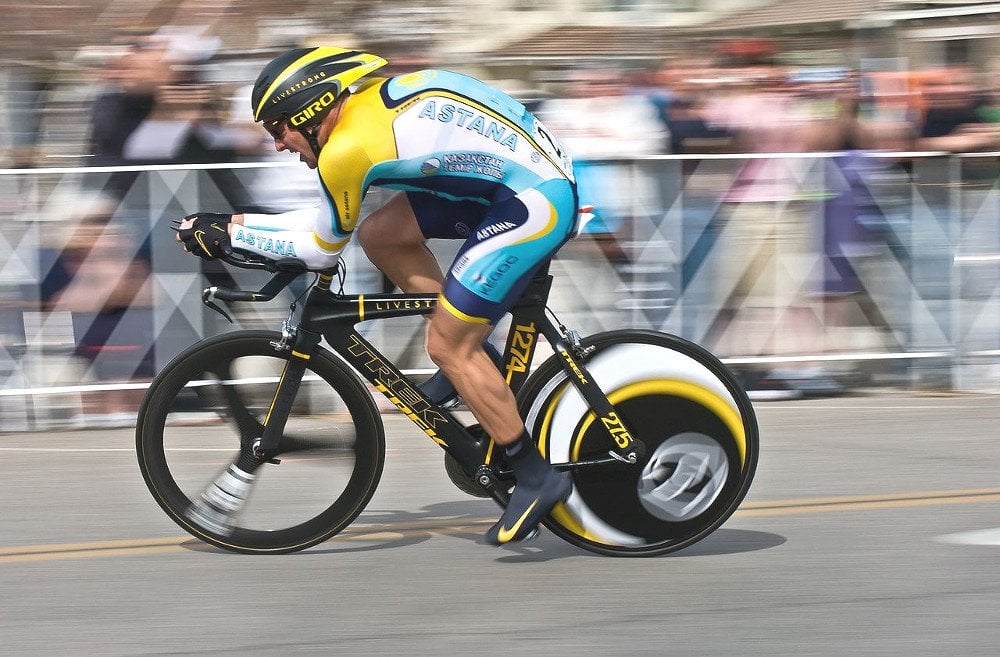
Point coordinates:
[(489, 274), (456, 346), (394, 238), (395, 243)]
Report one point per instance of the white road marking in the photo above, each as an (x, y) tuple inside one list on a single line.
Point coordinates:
[(977, 537)]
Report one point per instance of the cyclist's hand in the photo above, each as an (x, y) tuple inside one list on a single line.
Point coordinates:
[(205, 234)]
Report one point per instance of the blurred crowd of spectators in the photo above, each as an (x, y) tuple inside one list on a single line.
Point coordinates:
[(174, 95), (758, 107), (160, 99)]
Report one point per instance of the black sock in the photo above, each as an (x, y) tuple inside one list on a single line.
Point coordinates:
[(528, 465)]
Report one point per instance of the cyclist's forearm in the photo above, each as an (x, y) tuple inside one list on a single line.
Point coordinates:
[(302, 219), (306, 246), (296, 234)]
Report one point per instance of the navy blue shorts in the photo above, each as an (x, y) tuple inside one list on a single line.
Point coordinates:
[(505, 242)]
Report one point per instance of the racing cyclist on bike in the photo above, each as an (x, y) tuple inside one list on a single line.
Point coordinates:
[(471, 163)]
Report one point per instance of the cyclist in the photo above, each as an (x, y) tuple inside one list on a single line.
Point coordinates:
[(471, 163)]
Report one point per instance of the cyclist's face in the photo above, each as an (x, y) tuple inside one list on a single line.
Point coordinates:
[(286, 139)]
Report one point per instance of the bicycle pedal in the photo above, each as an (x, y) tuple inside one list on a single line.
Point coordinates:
[(532, 535), (451, 403)]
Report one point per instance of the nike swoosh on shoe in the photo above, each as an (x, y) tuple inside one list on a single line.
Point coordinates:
[(504, 535)]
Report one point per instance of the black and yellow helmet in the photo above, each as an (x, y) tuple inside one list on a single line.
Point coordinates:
[(301, 85)]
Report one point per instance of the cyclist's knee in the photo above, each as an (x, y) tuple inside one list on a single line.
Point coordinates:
[(440, 351), (451, 341), (374, 232)]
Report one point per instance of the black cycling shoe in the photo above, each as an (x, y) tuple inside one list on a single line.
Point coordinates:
[(528, 506), (440, 390)]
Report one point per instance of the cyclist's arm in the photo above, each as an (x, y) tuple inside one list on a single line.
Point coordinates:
[(315, 236), (284, 236)]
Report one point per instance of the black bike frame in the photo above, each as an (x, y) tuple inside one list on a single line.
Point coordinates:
[(334, 317)]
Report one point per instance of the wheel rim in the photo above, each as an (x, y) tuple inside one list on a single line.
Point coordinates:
[(196, 430)]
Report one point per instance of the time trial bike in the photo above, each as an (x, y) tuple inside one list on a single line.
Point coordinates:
[(269, 442)]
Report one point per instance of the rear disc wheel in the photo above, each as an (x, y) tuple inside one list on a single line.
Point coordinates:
[(694, 419)]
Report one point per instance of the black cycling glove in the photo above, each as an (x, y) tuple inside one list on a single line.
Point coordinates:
[(208, 236)]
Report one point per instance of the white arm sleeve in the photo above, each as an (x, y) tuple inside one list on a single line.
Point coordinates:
[(303, 219), (294, 234)]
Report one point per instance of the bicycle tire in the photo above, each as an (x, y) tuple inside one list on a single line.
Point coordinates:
[(693, 417), (201, 414)]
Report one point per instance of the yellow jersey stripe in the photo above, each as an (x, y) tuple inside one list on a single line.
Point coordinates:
[(330, 246), (553, 218), (458, 313)]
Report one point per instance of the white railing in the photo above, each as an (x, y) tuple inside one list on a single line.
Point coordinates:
[(918, 305)]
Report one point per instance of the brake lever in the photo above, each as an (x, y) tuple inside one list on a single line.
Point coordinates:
[(208, 298)]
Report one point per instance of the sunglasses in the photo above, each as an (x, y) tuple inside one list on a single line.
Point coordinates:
[(276, 128)]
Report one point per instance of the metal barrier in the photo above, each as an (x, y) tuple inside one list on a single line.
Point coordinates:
[(883, 269)]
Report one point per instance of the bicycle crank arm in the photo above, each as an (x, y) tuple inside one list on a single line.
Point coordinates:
[(612, 459)]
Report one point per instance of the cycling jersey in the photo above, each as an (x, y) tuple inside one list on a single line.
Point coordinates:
[(443, 137)]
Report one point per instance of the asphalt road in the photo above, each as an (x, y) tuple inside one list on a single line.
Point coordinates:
[(871, 529)]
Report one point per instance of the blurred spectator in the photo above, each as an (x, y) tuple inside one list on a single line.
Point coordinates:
[(597, 122), (119, 110), (178, 118), (953, 119), (951, 122), (116, 112), (101, 279), (854, 239), (184, 124), (851, 218), (158, 111), (989, 109), (690, 133), (26, 92), (765, 229), (692, 84)]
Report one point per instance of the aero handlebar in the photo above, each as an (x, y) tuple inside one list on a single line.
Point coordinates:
[(285, 271)]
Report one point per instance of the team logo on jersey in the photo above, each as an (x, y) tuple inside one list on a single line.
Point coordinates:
[(430, 166), (494, 229), (478, 163), (470, 120), (263, 242), (489, 281)]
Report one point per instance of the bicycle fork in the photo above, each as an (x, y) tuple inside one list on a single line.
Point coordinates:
[(572, 354), (224, 498), (265, 447)]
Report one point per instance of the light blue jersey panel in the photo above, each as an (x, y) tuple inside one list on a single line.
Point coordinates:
[(476, 178), (408, 85)]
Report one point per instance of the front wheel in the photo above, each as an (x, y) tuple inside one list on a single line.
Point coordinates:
[(196, 429), (684, 405)]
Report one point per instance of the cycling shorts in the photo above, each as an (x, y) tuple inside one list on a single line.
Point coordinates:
[(505, 242)]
